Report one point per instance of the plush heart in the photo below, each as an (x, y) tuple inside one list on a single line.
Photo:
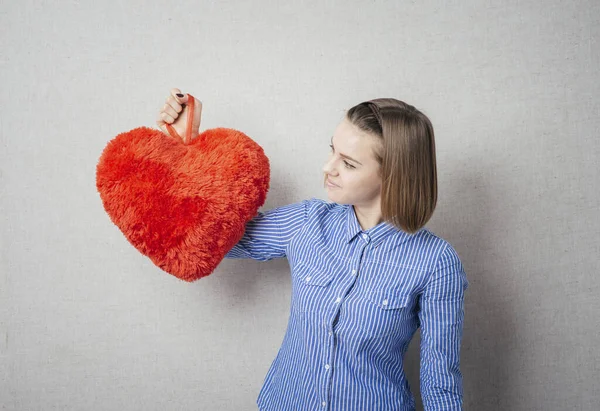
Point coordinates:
[(183, 204)]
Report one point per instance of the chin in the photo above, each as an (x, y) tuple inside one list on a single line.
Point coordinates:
[(335, 197)]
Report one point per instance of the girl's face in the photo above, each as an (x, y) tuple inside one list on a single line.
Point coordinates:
[(352, 167)]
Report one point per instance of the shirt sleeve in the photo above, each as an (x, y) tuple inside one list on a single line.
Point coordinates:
[(268, 233), (441, 316)]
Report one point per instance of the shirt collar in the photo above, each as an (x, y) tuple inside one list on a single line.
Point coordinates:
[(375, 234)]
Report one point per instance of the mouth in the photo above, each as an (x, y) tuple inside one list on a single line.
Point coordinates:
[(329, 183)]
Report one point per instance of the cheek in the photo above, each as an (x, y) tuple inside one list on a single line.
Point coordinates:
[(365, 180), (352, 178)]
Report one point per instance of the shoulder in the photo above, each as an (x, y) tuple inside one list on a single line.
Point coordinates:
[(302, 210), (447, 263), (447, 254), (320, 207), (440, 252)]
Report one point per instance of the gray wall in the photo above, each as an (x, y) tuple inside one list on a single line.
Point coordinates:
[(512, 89)]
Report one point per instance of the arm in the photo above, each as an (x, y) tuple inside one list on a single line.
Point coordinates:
[(268, 233), (441, 316)]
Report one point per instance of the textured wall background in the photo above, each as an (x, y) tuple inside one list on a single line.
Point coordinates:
[(512, 88)]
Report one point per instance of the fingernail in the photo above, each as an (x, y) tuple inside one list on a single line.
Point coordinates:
[(179, 95)]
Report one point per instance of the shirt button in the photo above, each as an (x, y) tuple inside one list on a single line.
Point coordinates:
[(330, 333), (385, 302), (323, 403), (338, 300), (308, 278), (364, 236), (353, 271), (326, 366)]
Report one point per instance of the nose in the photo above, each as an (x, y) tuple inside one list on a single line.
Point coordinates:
[(328, 171), (327, 168)]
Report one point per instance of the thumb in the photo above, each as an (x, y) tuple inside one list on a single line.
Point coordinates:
[(182, 98)]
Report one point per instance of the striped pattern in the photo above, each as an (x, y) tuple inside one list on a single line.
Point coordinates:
[(357, 299)]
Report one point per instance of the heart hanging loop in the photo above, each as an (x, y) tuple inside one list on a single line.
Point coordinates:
[(188, 130)]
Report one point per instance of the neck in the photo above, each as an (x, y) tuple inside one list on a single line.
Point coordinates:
[(368, 217)]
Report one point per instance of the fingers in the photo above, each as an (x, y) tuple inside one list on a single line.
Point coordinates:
[(166, 118), (162, 119), (171, 109), (181, 100), (173, 103), (160, 122)]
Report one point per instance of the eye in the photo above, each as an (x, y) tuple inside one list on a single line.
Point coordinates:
[(347, 164)]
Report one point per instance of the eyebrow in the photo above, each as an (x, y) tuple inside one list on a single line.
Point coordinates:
[(345, 156)]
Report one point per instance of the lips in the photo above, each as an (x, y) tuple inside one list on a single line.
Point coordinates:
[(330, 182)]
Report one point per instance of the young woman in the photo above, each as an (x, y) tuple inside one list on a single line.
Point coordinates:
[(365, 272)]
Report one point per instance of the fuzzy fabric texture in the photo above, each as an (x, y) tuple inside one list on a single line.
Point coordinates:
[(183, 206)]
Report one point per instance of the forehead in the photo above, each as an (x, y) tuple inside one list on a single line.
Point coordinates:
[(354, 142)]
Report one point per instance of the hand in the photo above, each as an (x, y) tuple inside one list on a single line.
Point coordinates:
[(175, 112)]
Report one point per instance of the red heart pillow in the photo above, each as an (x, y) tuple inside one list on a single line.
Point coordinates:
[(184, 205)]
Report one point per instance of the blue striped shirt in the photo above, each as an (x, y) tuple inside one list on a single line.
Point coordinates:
[(358, 296)]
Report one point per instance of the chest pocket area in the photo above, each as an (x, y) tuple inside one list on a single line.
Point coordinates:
[(311, 287), (390, 312), (389, 299)]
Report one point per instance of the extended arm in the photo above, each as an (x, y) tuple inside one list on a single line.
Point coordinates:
[(268, 233)]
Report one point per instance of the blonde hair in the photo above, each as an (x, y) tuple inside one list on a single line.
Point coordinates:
[(406, 155)]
